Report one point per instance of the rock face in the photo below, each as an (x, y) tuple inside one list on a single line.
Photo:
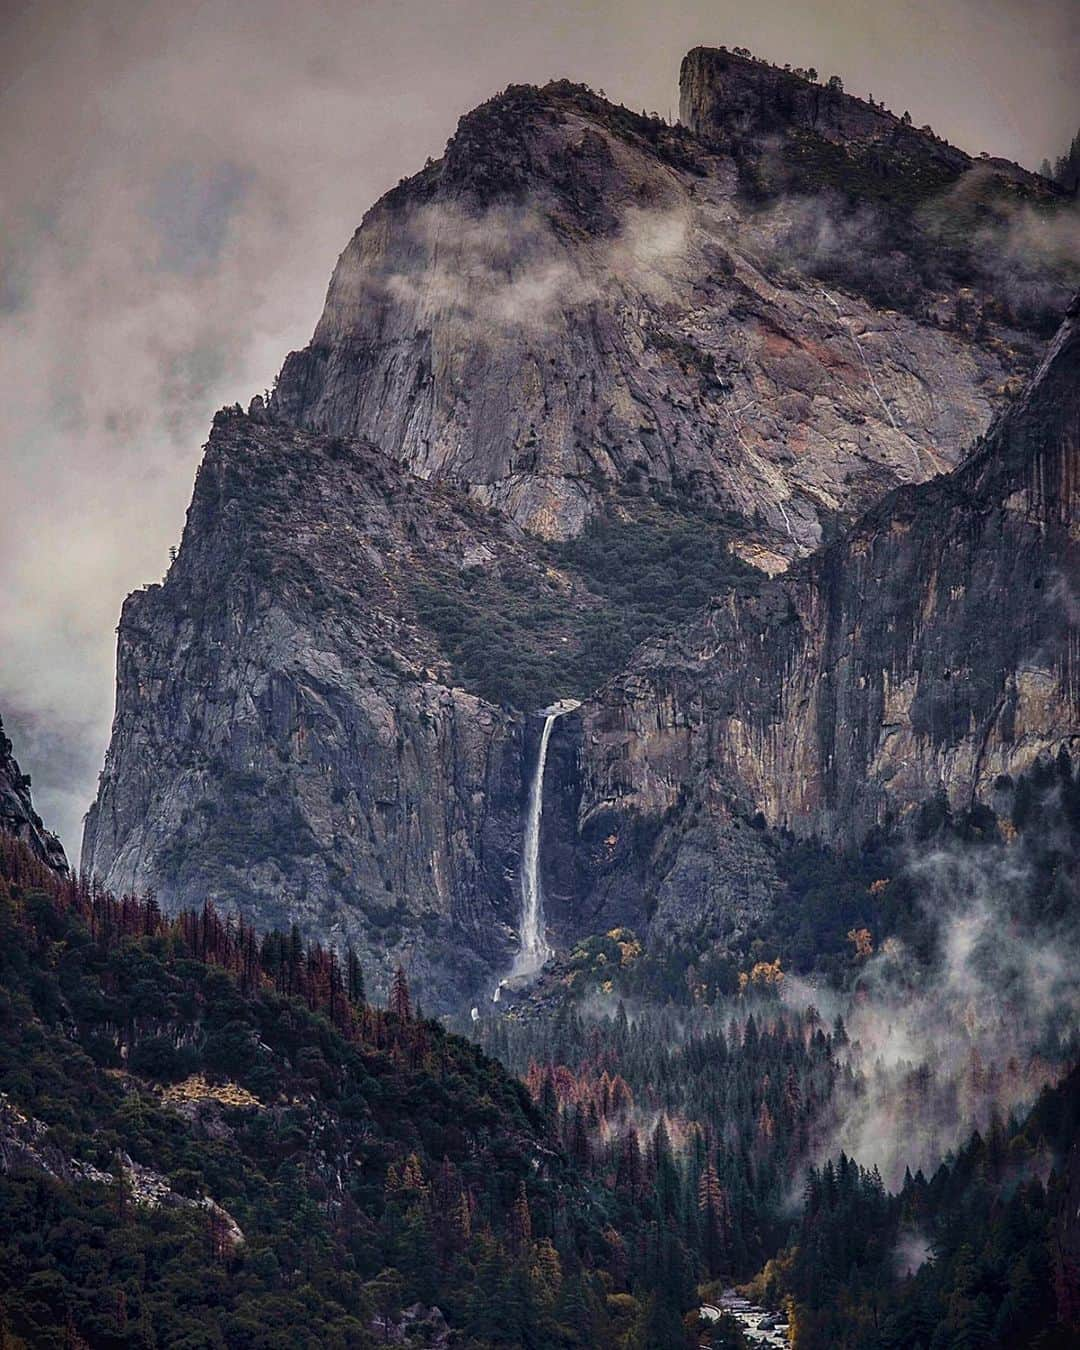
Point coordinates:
[(932, 649), (17, 814), (283, 742), (578, 317), (26, 1145), (572, 296)]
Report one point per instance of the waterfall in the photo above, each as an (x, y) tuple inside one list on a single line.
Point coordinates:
[(534, 951)]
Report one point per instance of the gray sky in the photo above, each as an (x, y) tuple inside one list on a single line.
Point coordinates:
[(177, 179)]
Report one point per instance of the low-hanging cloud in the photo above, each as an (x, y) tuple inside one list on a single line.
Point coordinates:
[(506, 269), (1026, 257), (939, 1047)]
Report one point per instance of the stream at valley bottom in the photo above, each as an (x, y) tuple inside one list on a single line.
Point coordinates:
[(758, 1325)]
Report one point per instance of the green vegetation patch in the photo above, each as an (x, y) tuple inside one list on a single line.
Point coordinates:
[(528, 635)]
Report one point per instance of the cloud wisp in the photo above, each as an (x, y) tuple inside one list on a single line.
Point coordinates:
[(938, 1048)]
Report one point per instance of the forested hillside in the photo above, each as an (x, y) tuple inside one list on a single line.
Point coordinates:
[(983, 1253), (786, 1128), (208, 1138)]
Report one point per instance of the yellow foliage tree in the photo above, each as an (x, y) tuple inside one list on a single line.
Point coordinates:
[(863, 941), (546, 1273), (763, 974)]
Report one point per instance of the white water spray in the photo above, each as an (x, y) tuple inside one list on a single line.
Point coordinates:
[(534, 950)]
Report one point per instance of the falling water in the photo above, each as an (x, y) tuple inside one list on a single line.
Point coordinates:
[(534, 950)]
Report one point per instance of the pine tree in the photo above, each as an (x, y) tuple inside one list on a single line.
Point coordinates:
[(416, 1249), (1067, 167), (385, 1292), (577, 1312), (520, 1222), (354, 976)]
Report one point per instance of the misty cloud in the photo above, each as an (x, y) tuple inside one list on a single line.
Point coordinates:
[(937, 1048), (506, 269), (912, 1251), (191, 209), (1028, 258), (1031, 257)]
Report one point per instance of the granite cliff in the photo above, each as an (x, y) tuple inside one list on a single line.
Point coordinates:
[(575, 294), (283, 741), (571, 381), (931, 652)]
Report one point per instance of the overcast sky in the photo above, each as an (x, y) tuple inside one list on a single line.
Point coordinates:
[(177, 179)]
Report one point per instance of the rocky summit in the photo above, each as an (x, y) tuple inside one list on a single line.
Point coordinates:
[(744, 433), (575, 296)]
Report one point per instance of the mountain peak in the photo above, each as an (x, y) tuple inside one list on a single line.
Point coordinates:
[(725, 96), (578, 296), (723, 92)]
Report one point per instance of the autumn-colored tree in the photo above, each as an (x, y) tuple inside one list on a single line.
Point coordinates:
[(546, 1273), (762, 975), (461, 1222), (412, 1177), (766, 1128), (863, 942), (400, 1001), (714, 1206), (294, 960)]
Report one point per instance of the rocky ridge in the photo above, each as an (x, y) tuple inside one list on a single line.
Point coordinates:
[(17, 814)]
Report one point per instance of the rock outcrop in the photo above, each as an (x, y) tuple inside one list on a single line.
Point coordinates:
[(17, 814), (287, 741), (27, 1145), (723, 92)]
